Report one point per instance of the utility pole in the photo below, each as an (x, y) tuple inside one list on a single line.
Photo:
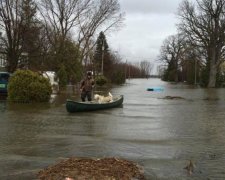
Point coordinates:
[(129, 70), (125, 70), (195, 71), (103, 48)]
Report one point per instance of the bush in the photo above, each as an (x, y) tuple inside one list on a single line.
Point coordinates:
[(118, 77), (101, 80), (62, 74), (28, 86), (204, 77), (219, 79)]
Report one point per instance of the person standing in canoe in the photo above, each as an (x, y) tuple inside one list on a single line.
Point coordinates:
[(86, 87)]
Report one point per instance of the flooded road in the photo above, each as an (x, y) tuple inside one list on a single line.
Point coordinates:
[(159, 134)]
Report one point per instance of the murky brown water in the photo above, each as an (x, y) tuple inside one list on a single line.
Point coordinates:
[(159, 134)]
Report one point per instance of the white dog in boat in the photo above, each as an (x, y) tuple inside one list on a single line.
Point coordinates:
[(103, 99)]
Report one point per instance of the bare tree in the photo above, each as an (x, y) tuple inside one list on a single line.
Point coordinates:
[(146, 68), (20, 33), (101, 15), (80, 17), (11, 23), (205, 25), (172, 53), (60, 17)]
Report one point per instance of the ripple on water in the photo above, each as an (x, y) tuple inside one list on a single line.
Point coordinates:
[(159, 134)]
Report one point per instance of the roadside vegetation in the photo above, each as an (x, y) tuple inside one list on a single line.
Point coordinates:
[(67, 37), (27, 86), (196, 54)]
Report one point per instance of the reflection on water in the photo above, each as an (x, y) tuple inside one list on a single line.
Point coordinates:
[(159, 134)]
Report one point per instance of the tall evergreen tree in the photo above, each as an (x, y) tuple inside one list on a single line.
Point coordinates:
[(101, 52), (31, 34)]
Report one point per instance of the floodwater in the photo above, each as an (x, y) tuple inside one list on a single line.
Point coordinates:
[(159, 134)]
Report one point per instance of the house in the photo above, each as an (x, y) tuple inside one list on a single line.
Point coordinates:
[(54, 81)]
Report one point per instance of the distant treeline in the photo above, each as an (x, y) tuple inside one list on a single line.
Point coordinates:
[(196, 54)]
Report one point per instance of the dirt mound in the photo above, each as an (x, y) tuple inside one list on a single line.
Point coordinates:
[(92, 169)]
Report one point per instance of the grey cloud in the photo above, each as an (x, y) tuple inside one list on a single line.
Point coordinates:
[(150, 6), (147, 24)]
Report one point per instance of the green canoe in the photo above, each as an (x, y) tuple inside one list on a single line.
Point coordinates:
[(74, 106)]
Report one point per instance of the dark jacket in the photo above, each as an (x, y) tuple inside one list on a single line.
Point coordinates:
[(87, 84)]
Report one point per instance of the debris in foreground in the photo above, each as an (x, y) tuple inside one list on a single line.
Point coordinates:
[(190, 167), (93, 169)]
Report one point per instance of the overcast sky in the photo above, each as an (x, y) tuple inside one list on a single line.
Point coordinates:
[(147, 24)]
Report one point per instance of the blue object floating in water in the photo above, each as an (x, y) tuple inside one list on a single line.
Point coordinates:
[(155, 89)]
